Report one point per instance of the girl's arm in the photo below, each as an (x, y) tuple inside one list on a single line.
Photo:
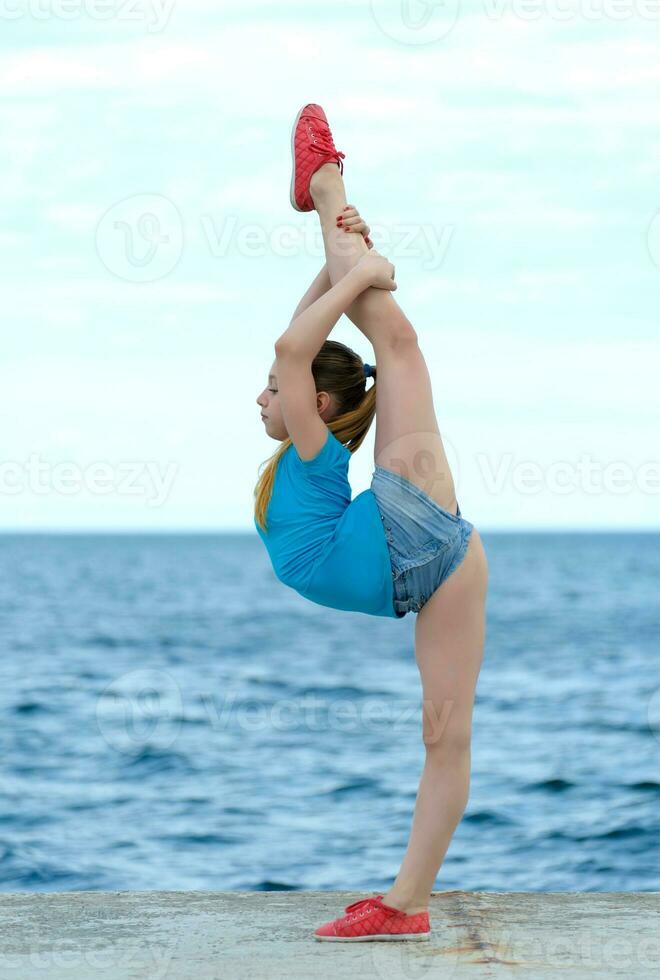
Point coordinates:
[(307, 332), (318, 288), (300, 343)]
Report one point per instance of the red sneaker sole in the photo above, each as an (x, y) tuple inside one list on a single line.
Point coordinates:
[(292, 194), (409, 937)]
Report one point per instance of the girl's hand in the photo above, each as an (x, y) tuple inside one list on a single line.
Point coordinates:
[(351, 220), (376, 270)]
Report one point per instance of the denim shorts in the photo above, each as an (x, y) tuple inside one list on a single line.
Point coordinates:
[(426, 542)]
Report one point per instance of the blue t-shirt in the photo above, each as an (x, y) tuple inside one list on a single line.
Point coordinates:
[(327, 547)]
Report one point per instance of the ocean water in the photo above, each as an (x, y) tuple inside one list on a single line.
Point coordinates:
[(172, 717)]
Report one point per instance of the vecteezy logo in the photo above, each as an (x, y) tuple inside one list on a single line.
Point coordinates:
[(653, 240), (415, 21), (141, 707), (408, 961), (427, 459), (140, 239)]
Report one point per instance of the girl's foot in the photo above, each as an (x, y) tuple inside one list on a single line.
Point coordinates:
[(372, 919), (312, 146)]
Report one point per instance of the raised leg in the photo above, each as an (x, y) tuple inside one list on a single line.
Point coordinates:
[(408, 439), (449, 643)]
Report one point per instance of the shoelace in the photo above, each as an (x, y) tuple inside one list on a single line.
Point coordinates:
[(357, 906), (323, 143)]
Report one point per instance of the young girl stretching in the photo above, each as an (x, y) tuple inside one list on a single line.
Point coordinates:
[(401, 546)]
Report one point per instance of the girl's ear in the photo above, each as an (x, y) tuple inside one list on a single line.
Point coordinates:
[(322, 401)]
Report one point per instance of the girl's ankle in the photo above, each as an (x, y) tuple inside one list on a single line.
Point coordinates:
[(325, 180), (407, 906)]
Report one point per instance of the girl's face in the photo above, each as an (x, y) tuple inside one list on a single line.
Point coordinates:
[(269, 403)]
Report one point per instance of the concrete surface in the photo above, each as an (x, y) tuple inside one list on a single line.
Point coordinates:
[(231, 935)]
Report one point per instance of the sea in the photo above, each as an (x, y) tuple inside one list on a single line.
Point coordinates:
[(173, 717)]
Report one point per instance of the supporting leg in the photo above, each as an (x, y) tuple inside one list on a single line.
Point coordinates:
[(449, 643)]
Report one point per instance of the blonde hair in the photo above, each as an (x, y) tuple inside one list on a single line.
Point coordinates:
[(340, 371)]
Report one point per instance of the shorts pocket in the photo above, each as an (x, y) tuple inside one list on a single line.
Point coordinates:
[(422, 555)]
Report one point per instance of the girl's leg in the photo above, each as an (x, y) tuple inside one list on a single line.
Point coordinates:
[(449, 642), (408, 439)]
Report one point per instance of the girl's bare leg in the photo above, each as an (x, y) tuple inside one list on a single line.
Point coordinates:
[(408, 439), (450, 629), (450, 633)]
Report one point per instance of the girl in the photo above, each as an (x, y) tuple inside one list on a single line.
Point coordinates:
[(402, 545)]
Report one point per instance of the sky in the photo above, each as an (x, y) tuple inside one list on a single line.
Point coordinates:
[(505, 154)]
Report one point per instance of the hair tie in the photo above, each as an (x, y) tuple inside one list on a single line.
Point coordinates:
[(368, 370)]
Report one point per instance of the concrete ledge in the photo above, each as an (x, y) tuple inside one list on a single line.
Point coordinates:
[(231, 935)]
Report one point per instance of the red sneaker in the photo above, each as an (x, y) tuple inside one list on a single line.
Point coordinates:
[(371, 919), (312, 145)]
